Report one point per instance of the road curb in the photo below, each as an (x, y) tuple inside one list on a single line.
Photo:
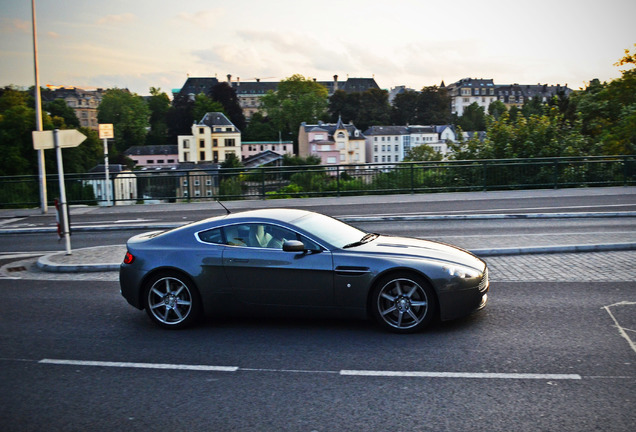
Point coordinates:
[(48, 263), (535, 250)]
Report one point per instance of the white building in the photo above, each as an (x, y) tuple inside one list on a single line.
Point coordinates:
[(390, 144), (212, 140), (467, 91)]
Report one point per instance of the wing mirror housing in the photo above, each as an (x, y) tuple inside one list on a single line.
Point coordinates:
[(293, 246)]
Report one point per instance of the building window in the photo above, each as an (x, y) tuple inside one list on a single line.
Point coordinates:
[(150, 161), (186, 143), (201, 131), (202, 155), (216, 156), (215, 142), (230, 142), (201, 143)]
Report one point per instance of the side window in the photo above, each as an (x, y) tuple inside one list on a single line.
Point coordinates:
[(212, 236), (237, 235), (269, 236), (309, 244)]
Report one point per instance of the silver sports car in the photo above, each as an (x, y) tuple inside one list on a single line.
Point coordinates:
[(284, 261)]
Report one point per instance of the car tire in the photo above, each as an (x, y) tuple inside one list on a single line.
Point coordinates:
[(403, 303), (172, 301)]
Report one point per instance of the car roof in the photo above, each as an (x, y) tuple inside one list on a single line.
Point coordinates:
[(277, 214)]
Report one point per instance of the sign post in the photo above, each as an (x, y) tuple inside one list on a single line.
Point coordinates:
[(106, 132), (57, 139)]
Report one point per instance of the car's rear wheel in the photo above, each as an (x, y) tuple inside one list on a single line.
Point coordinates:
[(403, 303), (172, 301)]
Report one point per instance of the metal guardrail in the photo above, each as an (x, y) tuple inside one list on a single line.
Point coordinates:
[(149, 185)]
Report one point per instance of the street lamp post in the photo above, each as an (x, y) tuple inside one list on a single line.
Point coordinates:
[(38, 115)]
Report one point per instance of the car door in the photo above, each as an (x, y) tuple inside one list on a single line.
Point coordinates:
[(260, 272)]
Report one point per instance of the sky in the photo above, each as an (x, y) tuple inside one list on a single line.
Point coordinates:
[(138, 44)]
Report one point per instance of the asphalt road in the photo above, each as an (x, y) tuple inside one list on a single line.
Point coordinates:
[(539, 357), (555, 354)]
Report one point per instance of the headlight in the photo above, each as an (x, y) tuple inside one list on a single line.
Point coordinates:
[(462, 272)]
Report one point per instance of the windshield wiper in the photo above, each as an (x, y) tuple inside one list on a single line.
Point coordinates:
[(366, 239)]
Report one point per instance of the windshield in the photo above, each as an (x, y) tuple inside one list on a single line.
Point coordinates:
[(329, 229)]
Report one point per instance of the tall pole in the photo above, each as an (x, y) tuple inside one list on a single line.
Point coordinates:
[(38, 115)]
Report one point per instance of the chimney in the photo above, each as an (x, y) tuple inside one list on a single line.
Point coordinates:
[(335, 82), (229, 78), (238, 81)]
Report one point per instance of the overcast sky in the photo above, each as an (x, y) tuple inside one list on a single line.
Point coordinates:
[(138, 44)]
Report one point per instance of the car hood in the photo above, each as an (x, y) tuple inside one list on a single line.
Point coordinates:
[(418, 248)]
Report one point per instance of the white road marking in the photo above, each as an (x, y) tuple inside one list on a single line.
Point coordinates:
[(622, 330), (140, 365), (364, 373), (478, 375)]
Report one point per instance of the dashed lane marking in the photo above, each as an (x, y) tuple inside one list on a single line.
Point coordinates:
[(360, 373)]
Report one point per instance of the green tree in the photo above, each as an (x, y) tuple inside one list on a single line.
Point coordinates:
[(433, 106), (296, 100), (65, 115), (226, 96), (293, 160), (374, 109), (204, 104), (473, 118), (231, 161), (259, 129), (129, 114), (422, 152), (497, 109), (344, 105), (606, 111), (180, 117), (405, 108), (159, 106)]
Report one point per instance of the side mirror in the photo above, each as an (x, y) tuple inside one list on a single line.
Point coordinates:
[(293, 246)]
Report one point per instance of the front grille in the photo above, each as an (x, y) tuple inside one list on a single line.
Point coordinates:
[(484, 282)]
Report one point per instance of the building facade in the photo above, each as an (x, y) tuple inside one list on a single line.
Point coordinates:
[(154, 156), (84, 102), (335, 144), (391, 144), (213, 139), (253, 148), (484, 92), (467, 91)]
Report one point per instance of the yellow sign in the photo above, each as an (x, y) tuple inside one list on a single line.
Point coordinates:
[(106, 131)]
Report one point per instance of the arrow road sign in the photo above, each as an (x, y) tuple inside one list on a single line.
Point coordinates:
[(66, 138)]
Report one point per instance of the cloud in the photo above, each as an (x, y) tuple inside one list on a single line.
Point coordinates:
[(120, 19), (15, 25), (202, 19)]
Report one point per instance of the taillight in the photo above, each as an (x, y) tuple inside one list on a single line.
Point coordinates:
[(129, 258)]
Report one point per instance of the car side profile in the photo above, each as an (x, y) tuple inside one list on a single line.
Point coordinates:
[(288, 261)]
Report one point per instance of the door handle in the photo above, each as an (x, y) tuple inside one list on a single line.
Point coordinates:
[(239, 260)]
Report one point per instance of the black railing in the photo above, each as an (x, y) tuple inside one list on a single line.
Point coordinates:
[(145, 186)]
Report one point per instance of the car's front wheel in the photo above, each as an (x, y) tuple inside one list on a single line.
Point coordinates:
[(403, 303), (172, 301)]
